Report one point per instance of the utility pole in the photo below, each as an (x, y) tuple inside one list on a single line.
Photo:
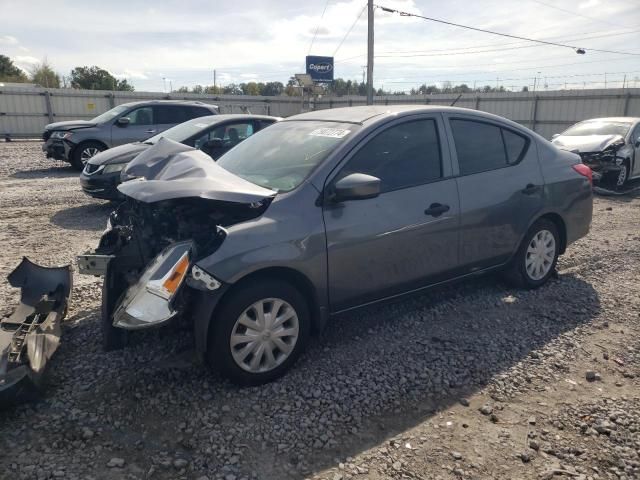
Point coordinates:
[(214, 79), (370, 11)]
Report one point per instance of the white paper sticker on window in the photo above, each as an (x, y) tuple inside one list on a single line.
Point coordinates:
[(330, 132)]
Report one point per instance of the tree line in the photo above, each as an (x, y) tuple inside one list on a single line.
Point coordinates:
[(96, 78), (90, 78)]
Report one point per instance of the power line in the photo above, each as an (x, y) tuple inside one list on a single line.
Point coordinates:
[(350, 28), (580, 14), (318, 27), (507, 35)]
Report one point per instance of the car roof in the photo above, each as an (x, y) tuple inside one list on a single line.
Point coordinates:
[(170, 102), (613, 119), (364, 114), (237, 116)]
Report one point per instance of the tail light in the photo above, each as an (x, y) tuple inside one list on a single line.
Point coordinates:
[(583, 170)]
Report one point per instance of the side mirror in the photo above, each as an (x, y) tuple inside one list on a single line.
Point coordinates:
[(123, 121), (554, 136), (356, 186)]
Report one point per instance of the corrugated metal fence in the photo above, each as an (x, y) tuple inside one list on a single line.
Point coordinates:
[(24, 112), (543, 112)]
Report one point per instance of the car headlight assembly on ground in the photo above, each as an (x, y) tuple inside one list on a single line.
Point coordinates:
[(113, 168), (149, 301)]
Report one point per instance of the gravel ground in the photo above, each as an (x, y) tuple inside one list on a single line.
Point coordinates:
[(475, 380)]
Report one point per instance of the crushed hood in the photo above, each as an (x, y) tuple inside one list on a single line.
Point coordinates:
[(120, 154), (170, 170), (70, 125), (586, 143)]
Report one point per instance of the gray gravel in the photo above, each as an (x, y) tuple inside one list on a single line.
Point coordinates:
[(383, 393)]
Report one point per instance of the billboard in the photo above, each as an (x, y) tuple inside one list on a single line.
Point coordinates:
[(320, 68)]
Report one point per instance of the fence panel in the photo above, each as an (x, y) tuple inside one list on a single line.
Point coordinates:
[(25, 111)]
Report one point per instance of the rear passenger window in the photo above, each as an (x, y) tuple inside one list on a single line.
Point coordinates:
[(515, 145), (195, 112), (481, 146), (402, 156)]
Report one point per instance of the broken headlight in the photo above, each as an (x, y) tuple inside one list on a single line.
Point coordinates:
[(113, 167), (149, 301)]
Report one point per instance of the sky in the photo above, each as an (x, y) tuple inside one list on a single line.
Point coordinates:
[(155, 45)]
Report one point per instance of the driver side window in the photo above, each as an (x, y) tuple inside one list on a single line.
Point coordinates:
[(401, 156), (141, 116)]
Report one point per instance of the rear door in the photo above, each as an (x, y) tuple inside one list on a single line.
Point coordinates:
[(396, 242), (140, 127), (500, 185), (167, 116)]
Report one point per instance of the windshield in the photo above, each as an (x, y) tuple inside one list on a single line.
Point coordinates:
[(283, 155), (594, 127), (183, 131), (110, 114)]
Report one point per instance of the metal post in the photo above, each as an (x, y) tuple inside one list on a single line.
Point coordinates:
[(47, 101), (370, 53), (534, 115), (477, 107), (625, 108)]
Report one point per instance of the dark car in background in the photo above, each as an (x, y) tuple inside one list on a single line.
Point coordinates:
[(325, 212), (609, 146), (76, 141), (214, 135)]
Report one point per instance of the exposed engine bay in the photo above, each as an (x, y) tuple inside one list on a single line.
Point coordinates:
[(175, 214), (30, 336)]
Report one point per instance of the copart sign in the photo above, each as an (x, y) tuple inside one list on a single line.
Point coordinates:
[(320, 68)]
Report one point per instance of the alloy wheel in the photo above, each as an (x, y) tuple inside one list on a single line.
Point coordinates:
[(540, 254), (622, 176), (87, 153), (264, 335)]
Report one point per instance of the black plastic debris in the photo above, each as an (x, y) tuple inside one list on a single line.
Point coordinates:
[(30, 336)]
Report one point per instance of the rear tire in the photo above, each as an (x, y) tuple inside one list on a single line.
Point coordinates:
[(83, 152), (265, 352), (536, 258)]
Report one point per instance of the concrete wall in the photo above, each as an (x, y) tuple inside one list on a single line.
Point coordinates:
[(25, 111)]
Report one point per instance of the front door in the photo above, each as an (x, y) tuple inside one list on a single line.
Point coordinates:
[(635, 144), (140, 127), (407, 236), (501, 189)]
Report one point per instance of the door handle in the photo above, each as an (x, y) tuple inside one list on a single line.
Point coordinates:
[(151, 131), (436, 209), (530, 189)]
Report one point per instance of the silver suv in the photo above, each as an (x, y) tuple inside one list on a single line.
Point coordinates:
[(76, 141)]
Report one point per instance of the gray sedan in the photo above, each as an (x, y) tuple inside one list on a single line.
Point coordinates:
[(326, 212)]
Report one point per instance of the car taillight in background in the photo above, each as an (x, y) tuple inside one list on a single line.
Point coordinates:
[(585, 171)]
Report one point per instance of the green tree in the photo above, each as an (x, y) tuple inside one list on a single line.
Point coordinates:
[(198, 89), (9, 72), (182, 90), (273, 89), (96, 78), (43, 75)]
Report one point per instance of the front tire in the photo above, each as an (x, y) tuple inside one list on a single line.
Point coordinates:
[(258, 332), (536, 259), (83, 152)]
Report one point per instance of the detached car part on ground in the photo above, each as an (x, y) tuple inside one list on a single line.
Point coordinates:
[(609, 146), (30, 336), (76, 141), (214, 135), (325, 212)]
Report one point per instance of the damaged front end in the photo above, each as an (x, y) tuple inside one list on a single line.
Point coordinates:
[(30, 336), (175, 214), (608, 160)]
